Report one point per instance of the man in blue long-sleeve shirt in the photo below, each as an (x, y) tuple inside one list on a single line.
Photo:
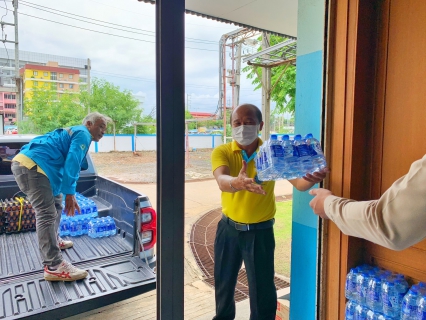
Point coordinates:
[(47, 167)]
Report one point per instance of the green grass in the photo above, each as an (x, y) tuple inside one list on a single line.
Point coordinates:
[(282, 231)]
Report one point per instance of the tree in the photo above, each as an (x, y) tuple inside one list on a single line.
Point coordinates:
[(284, 92), (108, 99), (46, 111)]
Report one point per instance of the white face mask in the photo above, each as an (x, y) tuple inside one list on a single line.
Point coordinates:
[(244, 135)]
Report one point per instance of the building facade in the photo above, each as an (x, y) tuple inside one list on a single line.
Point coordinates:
[(50, 76), (8, 107), (78, 68)]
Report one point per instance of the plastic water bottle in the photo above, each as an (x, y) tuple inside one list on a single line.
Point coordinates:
[(276, 156), (317, 155), (304, 153), (409, 304), (73, 227), (360, 312), (91, 232), (263, 163), (102, 228), (401, 288), (294, 162), (350, 310), (64, 226), (291, 165), (350, 284), (421, 307), (112, 230), (374, 293), (390, 300), (361, 287), (85, 224), (79, 225), (93, 208)]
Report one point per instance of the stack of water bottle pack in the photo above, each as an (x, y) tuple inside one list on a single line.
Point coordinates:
[(377, 294), (87, 221), (289, 159)]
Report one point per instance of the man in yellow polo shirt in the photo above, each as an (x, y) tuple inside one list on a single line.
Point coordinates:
[(245, 232)]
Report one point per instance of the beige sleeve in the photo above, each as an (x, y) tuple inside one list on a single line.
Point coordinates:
[(396, 221)]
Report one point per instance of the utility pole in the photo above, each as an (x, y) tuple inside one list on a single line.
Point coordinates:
[(266, 92), (19, 111)]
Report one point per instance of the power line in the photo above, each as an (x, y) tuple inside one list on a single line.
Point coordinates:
[(101, 32), (146, 79), (145, 15), (152, 33)]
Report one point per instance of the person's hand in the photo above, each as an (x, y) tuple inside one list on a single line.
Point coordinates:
[(71, 205), (317, 203), (242, 182), (316, 177)]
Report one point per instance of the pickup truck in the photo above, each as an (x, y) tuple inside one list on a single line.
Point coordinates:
[(119, 267)]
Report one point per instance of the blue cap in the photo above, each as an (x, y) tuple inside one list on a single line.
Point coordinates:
[(274, 137), (297, 137), (285, 137), (309, 135)]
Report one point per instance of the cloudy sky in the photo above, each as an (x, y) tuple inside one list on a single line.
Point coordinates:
[(124, 52)]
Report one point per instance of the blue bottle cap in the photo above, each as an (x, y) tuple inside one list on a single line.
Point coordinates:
[(274, 137), (309, 135), (285, 137), (297, 137)]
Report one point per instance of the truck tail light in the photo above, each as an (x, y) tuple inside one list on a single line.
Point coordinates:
[(148, 227)]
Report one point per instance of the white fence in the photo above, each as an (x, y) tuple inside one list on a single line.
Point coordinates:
[(145, 142)]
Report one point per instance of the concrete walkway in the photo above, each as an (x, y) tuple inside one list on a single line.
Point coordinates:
[(200, 197)]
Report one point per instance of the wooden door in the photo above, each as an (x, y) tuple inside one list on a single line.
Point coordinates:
[(375, 100), (401, 115)]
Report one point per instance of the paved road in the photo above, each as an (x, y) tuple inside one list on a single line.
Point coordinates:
[(200, 197)]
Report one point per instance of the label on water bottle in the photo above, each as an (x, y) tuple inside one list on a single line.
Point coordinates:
[(278, 151), (303, 151)]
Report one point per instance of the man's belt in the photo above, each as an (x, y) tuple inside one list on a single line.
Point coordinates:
[(250, 226)]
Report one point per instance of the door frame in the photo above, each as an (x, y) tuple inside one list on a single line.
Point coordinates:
[(350, 111)]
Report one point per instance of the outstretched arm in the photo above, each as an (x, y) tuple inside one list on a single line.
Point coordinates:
[(227, 183), (396, 221)]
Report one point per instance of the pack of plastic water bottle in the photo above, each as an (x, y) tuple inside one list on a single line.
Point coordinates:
[(87, 206), (377, 294), (78, 224), (102, 227), (289, 158)]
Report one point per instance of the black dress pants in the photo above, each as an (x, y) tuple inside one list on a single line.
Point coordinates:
[(256, 249)]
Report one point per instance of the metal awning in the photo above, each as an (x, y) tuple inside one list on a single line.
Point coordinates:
[(274, 16)]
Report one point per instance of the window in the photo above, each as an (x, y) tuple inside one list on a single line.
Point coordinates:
[(8, 152), (70, 76), (71, 86), (53, 76), (9, 96), (35, 83), (9, 106), (35, 73), (45, 74), (61, 85), (61, 75)]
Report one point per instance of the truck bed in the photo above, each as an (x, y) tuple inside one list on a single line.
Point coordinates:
[(19, 253), (114, 272)]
